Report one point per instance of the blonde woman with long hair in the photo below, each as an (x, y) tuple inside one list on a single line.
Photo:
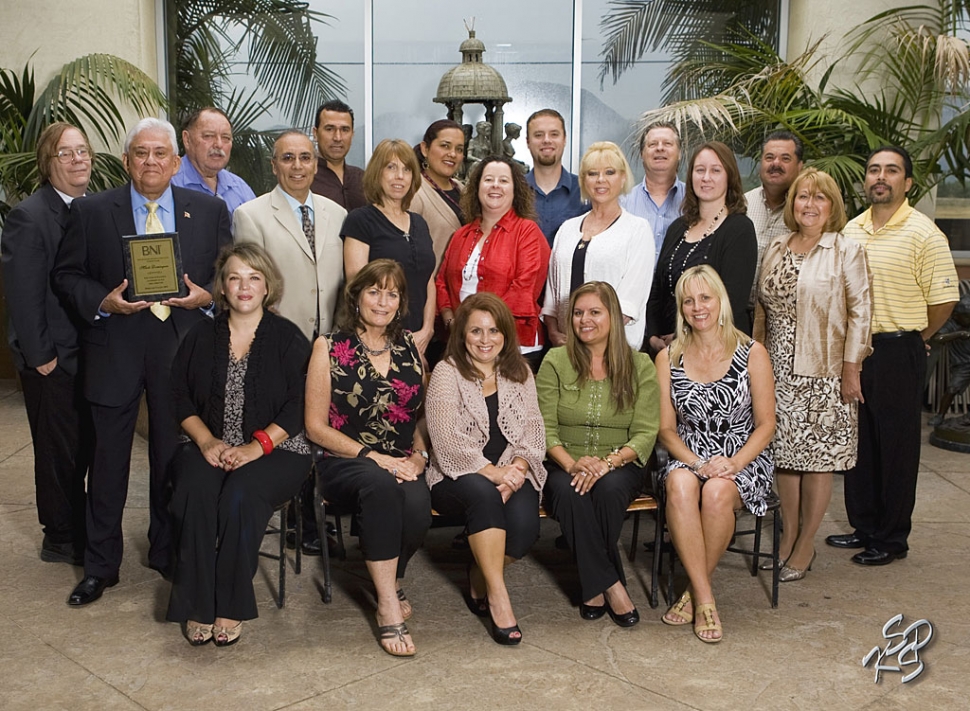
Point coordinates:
[(717, 417)]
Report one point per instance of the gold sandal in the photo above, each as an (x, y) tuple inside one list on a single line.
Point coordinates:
[(705, 611), (197, 633), (404, 601), (225, 636), (678, 609)]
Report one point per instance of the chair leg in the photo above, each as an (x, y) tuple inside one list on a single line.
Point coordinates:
[(636, 534), (341, 549), (282, 592), (319, 509), (658, 538), (297, 503), (776, 567), (758, 520)]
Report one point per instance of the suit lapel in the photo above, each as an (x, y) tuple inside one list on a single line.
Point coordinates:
[(321, 224), (57, 206), (121, 212), (286, 218)]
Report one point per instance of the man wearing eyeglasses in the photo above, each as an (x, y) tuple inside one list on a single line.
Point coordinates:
[(207, 137), (43, 341), (301, 231), (128, 346)]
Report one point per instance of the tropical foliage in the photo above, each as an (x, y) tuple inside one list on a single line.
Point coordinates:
[(909, 70), (281, 70), (89, 92)]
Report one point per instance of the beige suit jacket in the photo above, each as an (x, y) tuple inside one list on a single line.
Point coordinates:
[(307, 283)]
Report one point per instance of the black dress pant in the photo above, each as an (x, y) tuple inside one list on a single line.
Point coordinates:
[(592, 522), (880, 492), (60, 426), (394, 517), (220, 520), (477, 501)]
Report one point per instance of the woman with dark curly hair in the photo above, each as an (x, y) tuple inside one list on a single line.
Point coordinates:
[(713, 229), (364, 391), (502, 251)]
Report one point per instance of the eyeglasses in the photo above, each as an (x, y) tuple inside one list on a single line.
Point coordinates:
[(66, 155), (288, 158)]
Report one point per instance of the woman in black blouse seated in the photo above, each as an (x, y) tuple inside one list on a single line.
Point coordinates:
[(385, 229), (715, 230), (238, 382), (364, 392), (488, 445)]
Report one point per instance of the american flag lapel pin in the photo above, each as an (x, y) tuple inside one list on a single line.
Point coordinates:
[(185, 214)]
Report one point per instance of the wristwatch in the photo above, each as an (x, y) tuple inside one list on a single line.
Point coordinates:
[(423, 453), (364, 451)]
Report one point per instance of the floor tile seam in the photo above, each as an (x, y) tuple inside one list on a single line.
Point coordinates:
[(19, 452), (78, 664), (615, 676), (962, 485)]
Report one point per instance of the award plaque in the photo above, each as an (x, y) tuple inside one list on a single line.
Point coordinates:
[(153, 267)]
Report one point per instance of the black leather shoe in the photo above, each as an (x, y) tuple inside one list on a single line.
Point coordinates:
[(871, 556), (845, 540), (591, 612), (90, 589), (627, 619), (51, 552), (310, 547)]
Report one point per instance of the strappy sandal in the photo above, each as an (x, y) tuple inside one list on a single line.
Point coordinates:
[(393, 633), (404, 599), (197, 633), (477, 605), (705, 611), (678, 609), (226, 636)]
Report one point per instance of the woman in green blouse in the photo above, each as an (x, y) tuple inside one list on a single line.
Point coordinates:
[(600, 403)]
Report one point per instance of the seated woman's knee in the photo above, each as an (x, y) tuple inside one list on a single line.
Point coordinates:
[(719, 495)]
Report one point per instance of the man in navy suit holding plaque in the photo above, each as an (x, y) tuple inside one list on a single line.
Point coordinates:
[(127, 345)]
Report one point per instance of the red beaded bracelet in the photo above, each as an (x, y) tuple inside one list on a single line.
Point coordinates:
[(264, 441)]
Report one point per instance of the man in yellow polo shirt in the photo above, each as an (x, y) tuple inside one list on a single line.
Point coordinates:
[(914, 289)]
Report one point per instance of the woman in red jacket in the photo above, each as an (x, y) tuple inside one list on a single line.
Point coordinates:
[(501, 251)]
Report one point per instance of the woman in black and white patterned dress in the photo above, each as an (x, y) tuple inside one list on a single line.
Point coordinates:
[(717, 417), (815, 293)]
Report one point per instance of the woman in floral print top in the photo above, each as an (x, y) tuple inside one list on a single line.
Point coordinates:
[(365, 388)]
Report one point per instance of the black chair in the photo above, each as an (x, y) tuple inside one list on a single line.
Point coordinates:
[(280, 530), (774, 508), (321, 510)]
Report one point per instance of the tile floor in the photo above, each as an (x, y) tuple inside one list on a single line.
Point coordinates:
[(119, 653)]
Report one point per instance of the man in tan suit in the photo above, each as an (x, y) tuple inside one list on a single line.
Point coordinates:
[(301, 231)]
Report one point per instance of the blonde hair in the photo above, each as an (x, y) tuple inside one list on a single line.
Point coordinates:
[(817, 182), (730, 336), (604, 153)]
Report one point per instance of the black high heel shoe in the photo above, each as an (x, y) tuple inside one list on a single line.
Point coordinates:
[(477, 605), (626, 619), (503, 635), (591, 612)]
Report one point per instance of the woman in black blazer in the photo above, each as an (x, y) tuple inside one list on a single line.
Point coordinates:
[(238, 385)]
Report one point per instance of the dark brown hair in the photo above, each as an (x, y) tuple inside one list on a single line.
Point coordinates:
[(618, 359), (523, 199), (734, 199), (382, 273), (509, 362)]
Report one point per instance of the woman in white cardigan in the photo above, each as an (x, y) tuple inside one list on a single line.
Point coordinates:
[(606, 244), (488, 442)]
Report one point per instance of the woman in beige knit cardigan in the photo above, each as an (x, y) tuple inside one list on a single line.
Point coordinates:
[(488, 443)]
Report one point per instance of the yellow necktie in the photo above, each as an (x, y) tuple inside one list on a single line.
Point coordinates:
[(153, 225)]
